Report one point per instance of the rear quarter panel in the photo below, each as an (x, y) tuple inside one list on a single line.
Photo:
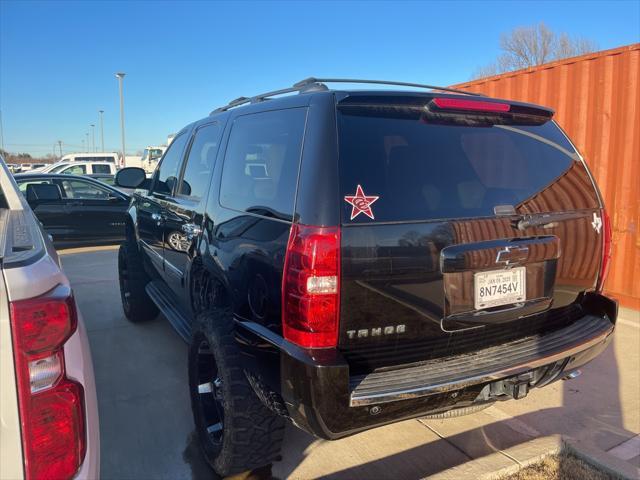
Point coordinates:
[(10, 440), (25, 278)]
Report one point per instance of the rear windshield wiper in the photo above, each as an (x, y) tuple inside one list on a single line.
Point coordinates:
[(544, 219)]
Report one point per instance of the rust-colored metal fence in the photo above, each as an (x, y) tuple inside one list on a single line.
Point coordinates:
[(597, 101)]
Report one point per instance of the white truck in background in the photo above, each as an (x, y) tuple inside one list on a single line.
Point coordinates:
[(152, 155), (112, 157), (132, 161)]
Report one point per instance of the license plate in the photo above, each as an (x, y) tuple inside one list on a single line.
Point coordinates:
[(499, 287)]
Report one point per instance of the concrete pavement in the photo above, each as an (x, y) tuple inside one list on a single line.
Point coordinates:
[(147, 429)]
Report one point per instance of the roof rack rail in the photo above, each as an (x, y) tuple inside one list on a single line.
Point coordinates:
[(314, 80), (317, 84), (265, 96)]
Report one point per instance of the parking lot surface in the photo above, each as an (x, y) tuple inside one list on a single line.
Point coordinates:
[(147, 428)]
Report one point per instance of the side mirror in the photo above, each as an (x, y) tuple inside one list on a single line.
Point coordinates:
[(130, 177), (43, 192)]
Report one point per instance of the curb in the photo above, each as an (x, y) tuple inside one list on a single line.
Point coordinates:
[(602, 460), (507, 462)]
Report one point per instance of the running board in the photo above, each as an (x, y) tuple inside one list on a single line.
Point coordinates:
[(163, 298)]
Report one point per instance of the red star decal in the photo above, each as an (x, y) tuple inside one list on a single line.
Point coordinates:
[(361, 203)]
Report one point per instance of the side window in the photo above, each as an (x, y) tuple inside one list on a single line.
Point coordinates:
[(97, 168), (261, 162), (80, 190), (169, 168), (202, 157), (22, 186), (108, 180), (75, 170)]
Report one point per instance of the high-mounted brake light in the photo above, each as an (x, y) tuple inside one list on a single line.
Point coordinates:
[(51, 405), (470, 105), (311, 286), (472, 112), (607, 235)]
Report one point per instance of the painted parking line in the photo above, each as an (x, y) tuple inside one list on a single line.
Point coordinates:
[(627, 450)]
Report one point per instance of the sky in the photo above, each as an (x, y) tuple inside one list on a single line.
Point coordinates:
[(182, 59)]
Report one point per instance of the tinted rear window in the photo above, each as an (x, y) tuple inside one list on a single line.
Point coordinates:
[(424, 171)]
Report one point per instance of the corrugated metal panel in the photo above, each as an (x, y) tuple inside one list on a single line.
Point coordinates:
[(597, 101)]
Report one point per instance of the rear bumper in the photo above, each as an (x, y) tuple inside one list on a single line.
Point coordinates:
[(487, 365), (322, 398)]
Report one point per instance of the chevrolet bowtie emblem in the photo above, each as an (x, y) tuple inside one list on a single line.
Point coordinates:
[(512, 255), (597, 223)]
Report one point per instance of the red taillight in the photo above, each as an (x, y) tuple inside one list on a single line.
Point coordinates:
[(606, 250), (311, 286), (44, 322), (51, 406), (470, 105), (54, 440)]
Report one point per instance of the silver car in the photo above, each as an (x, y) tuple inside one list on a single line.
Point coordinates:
[(48, 407)]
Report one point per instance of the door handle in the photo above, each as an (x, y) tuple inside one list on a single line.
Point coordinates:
[(191, 230), (158, 218)]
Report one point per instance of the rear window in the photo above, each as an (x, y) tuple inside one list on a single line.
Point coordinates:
[(424, 171)]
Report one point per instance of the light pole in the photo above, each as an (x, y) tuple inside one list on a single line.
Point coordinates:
[(93, 136), (120, 76), (60, 145), (86, 135), (1, 133), (101, 131)]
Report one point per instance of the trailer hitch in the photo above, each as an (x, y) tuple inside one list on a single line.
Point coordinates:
[(515, 387)]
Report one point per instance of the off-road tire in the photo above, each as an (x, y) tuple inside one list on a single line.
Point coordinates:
[(459, 412), (251, 434), (137, 305)]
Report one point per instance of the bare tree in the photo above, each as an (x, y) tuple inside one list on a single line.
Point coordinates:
[(526, 47), (568, 47)]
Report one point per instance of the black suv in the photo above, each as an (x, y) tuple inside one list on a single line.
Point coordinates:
[(345, 259)]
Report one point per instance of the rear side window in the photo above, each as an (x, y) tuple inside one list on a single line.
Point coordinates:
[(169, 168), (423, 171), (261, 163), (101, 169), (200, 161), (22, 186), (75, 170), (83, 190), (57, 169)]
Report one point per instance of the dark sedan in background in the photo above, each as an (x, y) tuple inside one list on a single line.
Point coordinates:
[(76, 210)]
